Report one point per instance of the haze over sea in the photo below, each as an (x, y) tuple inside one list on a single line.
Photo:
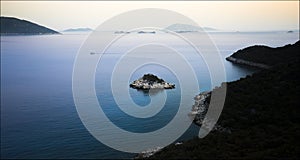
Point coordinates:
[(38, 115)]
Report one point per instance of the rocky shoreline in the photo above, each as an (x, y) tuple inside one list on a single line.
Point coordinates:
[(200, 107), (248, 63), (150, 81), (148, 153), (199, 111)]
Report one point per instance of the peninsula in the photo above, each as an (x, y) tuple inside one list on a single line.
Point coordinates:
[(15, 26), (150, 81), (265, 57)]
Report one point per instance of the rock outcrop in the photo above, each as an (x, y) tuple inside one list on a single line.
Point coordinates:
[(199, 111), (148, 153)]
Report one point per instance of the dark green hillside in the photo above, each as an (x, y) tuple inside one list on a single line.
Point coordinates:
[(262, 112), (16, 26), (269, 56)]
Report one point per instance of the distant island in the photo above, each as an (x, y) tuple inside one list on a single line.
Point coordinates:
[(15, 26), (260, 118), (121, 32), (150, 81), (78, 30), (183, 28), (146, 32)]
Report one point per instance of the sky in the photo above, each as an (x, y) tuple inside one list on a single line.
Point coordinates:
[(223, 15)]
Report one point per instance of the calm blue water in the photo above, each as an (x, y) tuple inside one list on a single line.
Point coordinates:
[(38, 115)]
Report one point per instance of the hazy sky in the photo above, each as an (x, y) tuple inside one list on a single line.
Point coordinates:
[(225, 15)]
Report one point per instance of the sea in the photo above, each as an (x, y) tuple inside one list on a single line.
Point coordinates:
[(39, 118)]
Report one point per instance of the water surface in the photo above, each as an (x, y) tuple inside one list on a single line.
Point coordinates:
[(38, 115)]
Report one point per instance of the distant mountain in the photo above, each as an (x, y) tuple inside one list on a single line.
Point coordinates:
[(78, 30), (187, 28), (15, 26)]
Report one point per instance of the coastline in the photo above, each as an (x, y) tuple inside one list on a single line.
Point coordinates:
[(248, 63), (244, 110)]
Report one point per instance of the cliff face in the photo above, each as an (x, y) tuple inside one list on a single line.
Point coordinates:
[(265, 57), (14, 26)]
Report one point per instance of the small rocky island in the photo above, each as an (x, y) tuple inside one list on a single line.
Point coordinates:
[(150, 81)]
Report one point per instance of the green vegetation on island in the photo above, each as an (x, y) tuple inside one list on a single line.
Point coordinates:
[(261, 111), (14, 26)]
